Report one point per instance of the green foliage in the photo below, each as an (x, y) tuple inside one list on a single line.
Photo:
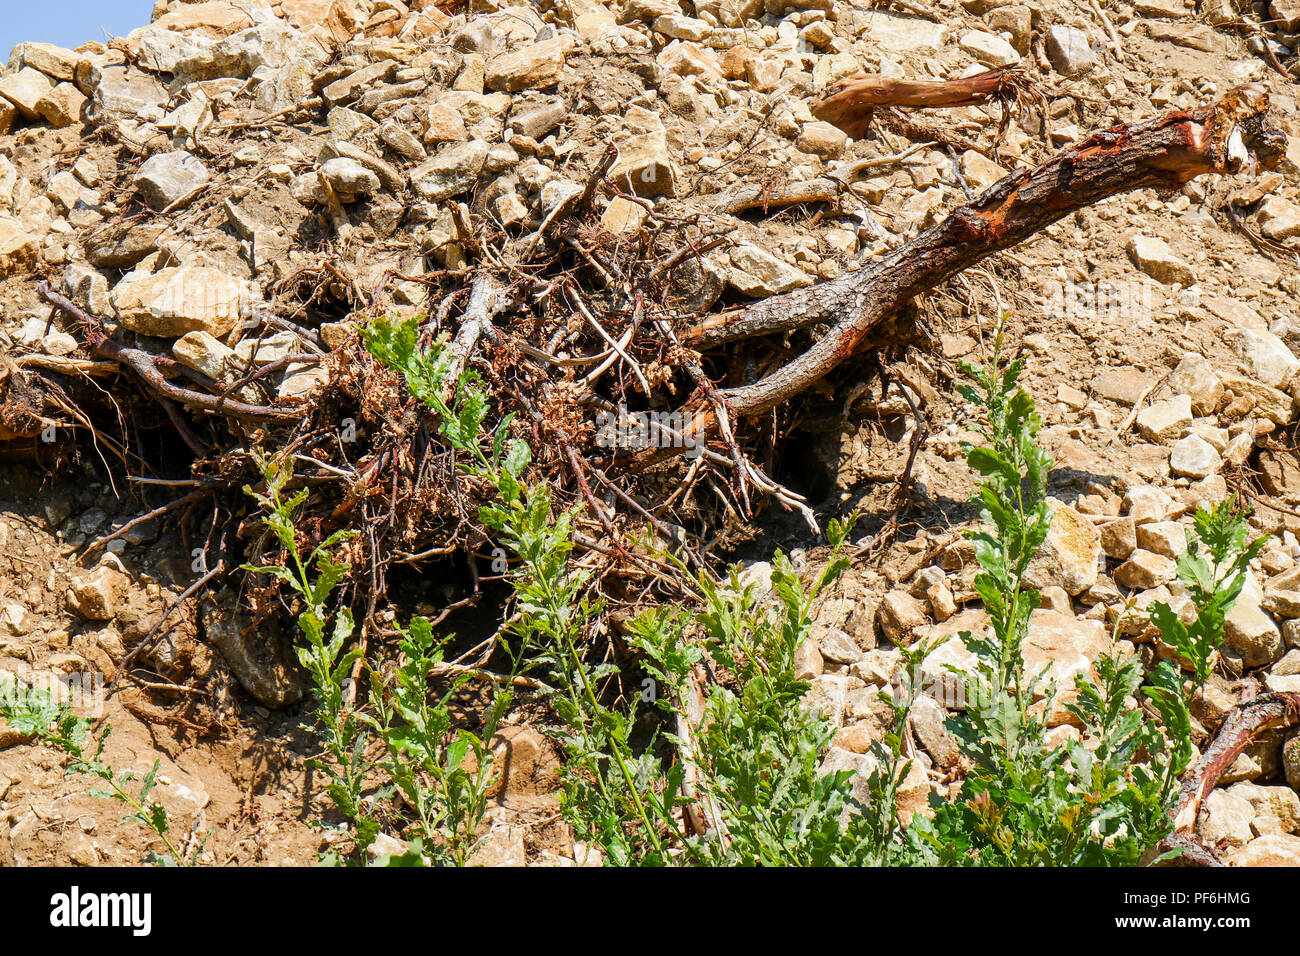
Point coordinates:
[(759, 752), (425, 756), (1105, 800), (748, 754), (314, 578), (34, 711), (756, 757), (1214, 579)]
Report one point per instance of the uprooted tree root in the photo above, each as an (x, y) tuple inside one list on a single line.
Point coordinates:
[(1240, 728), (569, 328)]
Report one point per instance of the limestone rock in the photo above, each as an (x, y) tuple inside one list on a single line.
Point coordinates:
[(62, 105), (56, 62), (1267, 358), (18, 248), (1252, 633), (1279, 219), (181, 299), (1144, 570), (443, 125), (989, 48), (204, 353), (99, 594), (980, 171), (1118, 538), (900, 616), (1195, 378), (808, 661), (25, 89), (1065, 646), (1291, 762), (349, 179), (1194, 457), (1274, 404), (927, 719), (1167, 538), (122, 250), (822, 139), (645, 165), (902, 34), (533, 67), (1069, 51), (757, 272), (1227, 818), (168, 178), (454, 169), (1155, 258), (836, 646), (1274, 809), (350, 87), (622, 215), (1165, 419), (537, 121), (1274, 849), (124, 92), (1069, 555), (401, 140)]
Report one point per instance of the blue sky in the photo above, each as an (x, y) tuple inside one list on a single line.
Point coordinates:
[(68, 23)]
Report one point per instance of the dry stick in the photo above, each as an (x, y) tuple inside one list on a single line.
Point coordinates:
[(850, 103), (1243, 724), (575, 466), (609, 339), (1116, 46), (701, 812), (183, 429), (825, 188), (141, 519), (1162, 153), (596, 178), (477, 673), (686, 252), (623, 343), (478, 316), (664, 531), (147, 642), (1131, 417)]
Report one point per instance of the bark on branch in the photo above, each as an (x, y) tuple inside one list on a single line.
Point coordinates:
[(1239, 730), (851, 102), (1162, 153)]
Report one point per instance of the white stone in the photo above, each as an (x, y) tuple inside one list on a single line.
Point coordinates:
[(1069, 51), (1267, 358), (1155, 258), (757, 272), (168, 178), (181, 299), (989, 48), (349, 179), (454, 169), (1194, 457), (1165, 419)]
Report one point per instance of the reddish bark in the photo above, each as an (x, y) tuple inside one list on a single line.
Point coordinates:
[(1162, 153)]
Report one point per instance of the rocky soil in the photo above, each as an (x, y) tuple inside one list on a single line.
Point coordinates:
[(230, 158)]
